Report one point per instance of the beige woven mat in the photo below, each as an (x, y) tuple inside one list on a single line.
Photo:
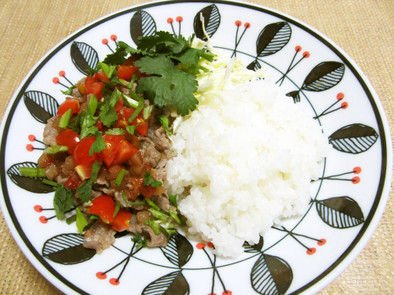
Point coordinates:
[(363, 28)]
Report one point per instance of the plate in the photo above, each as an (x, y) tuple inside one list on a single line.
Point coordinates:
[(300, 256)]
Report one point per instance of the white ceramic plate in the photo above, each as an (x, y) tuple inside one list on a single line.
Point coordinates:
[(301, 256)]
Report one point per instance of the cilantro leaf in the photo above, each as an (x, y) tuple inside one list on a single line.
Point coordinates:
[(84, 191), (62, 201), (98, 145), (149, 180), (166, 84), (163, 43), (108, 115)]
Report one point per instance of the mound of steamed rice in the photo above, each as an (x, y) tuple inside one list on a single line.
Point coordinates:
[(243, 160)]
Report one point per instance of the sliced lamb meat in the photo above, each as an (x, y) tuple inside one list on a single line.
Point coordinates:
[(51, 130), (151, 156), (99, 236), (162, 201), (160, 138), (146, 231)]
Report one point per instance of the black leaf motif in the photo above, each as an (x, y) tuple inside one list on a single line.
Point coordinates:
[(178, 250), (211, 17), (324, 76), (271, 275), (354, 138), (255, 247), (273, 38), (67, 249), (31, 184), (41, 105), (340, 212), (254, 66), (171, 284), (141, 24), (84, 57)]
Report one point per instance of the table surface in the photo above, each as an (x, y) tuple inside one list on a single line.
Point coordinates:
[(363, 29)]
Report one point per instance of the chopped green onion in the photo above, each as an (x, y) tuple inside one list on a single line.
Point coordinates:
[(117, 208), (107, 69), (95, 170), (119, 177), (149, 180), (174, 216), (154, 225), (71, 219), (151, 204), (54, 149), (132, 102), (173, 200), (81, 220), (92, 104), (50, 182), (65, 119), (159, 215), (165, 123), (147, 111), (32, 172), (131, 129)]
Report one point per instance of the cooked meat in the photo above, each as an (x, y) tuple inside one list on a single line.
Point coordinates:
[(51, 130), (162, 201), (160, 139), (146, 231), (99, 236), (150, 155)]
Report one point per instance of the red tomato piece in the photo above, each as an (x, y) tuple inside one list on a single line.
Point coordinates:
[(121, 220), (126, 72), (112, 146), (94, 84), (69, 103), (81, 151), (123, 120), (73, 182), (125, 152), (68, 138), (147, 191), (104, 207)]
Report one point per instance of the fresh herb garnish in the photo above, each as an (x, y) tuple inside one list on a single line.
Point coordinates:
[(62, 201), (149, 180)]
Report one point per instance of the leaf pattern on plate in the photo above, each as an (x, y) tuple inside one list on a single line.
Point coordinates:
[(172, 283), (141, 24), (31, 184), (67, 249), (178, 250), (324, 76), (272, 38), (271, 275), (211, 16), (84, 57), (354, 138), (340, 212), (255, 248), (41, 105)]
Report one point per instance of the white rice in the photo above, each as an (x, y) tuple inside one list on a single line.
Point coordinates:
[(243, 160)]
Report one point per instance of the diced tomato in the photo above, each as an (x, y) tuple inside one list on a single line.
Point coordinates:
[(118, 150), (68, 138), (119, 105), (134, 191), (84, 170), (81, 151), (73, 182), (126, 72), (94, 84), (112, 146), (147, 191), (104, 207), (123, 120), (121, 220), (69, 103), (125, 152)]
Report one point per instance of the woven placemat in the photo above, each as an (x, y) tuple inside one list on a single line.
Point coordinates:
[(363, 28)]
